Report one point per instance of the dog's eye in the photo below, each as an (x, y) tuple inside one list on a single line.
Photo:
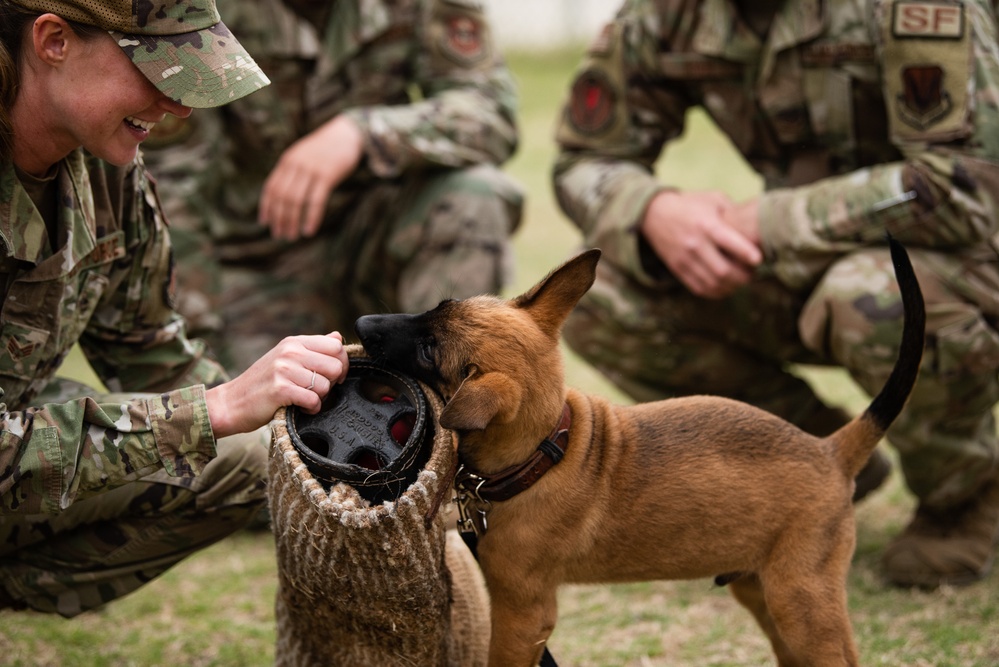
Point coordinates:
[(425, 352)]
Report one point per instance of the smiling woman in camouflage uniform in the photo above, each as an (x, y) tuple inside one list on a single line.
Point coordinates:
[(862, 118), (365, 179), (99, 494)]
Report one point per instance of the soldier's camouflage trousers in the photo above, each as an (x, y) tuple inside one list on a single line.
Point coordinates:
[(399, 246), (106, 546), (659, 343)]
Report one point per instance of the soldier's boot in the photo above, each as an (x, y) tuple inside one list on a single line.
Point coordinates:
[(878, 467), (954, 546)]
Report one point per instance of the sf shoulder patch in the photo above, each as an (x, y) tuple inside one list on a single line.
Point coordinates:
[(592, 103), (928, 63)]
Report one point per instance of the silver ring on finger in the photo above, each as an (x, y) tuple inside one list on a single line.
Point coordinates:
[(313, 382)]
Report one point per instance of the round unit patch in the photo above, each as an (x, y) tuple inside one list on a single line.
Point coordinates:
[(591, 109), (463, 40)]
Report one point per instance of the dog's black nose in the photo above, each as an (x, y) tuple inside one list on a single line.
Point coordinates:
[(368, 329), (365, 327)]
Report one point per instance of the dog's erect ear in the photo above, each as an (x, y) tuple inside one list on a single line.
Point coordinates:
[(480, 400), (551, 300)]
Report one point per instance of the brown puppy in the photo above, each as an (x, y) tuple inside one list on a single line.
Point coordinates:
[(676, 489)]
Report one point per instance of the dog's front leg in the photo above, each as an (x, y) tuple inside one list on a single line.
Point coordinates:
[(520, 626)]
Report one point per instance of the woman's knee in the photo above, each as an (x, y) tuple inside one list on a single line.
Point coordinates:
[(238, 473)]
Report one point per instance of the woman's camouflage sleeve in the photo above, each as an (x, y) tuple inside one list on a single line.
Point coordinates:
[(59, 453), (467, 114), (940, 80)]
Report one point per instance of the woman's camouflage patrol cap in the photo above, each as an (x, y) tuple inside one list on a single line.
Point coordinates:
[(182, 46)]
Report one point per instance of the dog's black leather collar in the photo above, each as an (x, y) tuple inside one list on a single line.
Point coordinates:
[(507, 483)]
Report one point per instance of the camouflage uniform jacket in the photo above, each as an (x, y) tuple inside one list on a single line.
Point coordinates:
[(861, 117), (421, 78), (106, 287)]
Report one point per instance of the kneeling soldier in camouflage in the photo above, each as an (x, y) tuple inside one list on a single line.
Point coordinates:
[(861, 118)]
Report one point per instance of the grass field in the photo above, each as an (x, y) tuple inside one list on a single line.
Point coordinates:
[(216, 608)]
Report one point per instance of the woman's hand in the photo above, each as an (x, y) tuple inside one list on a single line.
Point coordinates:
[(295, 193), (300, 370)]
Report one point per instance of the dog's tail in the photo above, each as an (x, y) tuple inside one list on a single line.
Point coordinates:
[(855, 441)]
